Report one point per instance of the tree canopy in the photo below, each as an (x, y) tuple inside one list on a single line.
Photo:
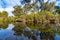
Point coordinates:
[(3, 14), (58, 11)]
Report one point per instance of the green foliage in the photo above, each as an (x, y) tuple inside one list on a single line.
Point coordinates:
[(18, 11), (3, 14), (40, 15), (58, 11), (48, 6), (3, 25), (49, 13)]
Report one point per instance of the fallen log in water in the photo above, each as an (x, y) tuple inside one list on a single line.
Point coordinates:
[(18, 20)]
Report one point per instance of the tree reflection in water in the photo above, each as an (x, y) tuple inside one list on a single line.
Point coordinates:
[(47, 36), (32, 32), (3, 25)]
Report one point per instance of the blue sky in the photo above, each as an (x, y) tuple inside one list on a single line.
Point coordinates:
[(8, 4)]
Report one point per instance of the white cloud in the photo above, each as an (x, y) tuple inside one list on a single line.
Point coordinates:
[(1, 9), (9, 10), (45, 0)]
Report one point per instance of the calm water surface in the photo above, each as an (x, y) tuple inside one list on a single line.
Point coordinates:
[(24, 32)]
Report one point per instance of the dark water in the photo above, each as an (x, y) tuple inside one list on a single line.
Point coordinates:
[(27, 32)]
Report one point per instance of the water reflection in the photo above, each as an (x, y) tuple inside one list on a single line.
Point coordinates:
[(10, 26), (33, 33), (3, 25), (18, 31), (5, 33)]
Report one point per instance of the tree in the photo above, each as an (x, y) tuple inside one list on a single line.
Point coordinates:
[(27, 1), (48, 6), (18, 11), (29, 6), (33, 7), (43, 6), (58, 11), (3, 14)]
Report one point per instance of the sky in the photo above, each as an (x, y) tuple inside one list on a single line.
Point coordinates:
[(7, 5)]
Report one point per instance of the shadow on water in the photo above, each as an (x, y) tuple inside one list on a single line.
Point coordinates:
[(29, 31)]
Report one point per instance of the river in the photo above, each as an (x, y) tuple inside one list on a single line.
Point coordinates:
[(23, 32)]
